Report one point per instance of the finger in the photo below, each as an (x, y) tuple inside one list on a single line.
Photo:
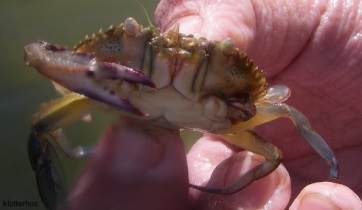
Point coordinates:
[(214, 164), (134, 167), (326, 195), (271, 32)]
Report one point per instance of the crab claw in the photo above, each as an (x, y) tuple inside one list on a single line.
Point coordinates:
[(80, 72), (106, 70)]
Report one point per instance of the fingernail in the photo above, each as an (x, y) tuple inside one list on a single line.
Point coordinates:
[(317, 201)]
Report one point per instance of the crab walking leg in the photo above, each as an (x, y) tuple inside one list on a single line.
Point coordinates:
[(60, 113), (44, 135), (268, 111), (49, 175), (250, 141)]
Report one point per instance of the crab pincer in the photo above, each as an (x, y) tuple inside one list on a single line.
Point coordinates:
[(84, 74), (114, 71)]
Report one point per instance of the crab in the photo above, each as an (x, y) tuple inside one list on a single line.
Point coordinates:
[(170, 79)]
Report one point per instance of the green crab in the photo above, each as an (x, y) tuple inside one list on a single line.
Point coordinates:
[(169, 79)]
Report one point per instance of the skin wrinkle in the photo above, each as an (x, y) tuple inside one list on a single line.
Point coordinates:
[(341, 30), (303, 30), (308, 41), (283, 34), (354, 42), (327, 35)]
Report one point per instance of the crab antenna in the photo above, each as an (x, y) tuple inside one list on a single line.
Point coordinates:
[(146, 13)]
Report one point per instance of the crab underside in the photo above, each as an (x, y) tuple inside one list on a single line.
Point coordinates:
[(170, 79)]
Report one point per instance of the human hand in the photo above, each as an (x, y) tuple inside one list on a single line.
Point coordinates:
[(314, 48)]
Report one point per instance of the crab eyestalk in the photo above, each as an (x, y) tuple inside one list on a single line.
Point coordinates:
[(82, 73)]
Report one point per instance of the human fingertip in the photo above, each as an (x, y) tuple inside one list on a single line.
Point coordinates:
[(281, 194), (316, 201), (134, 166), (326, 195), (271, 192)]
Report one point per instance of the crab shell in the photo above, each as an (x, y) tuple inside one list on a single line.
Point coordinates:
[(175, 79)]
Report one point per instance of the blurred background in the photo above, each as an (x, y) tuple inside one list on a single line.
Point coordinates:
[(22, 89)]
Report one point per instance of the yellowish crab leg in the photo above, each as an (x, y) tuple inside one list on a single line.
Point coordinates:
[(45, 135), (267, 112), (268, 109), (59, 113), (241, 135), (63, 111), (250, 141)]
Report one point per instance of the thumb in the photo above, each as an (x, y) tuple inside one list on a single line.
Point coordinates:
[(271, 32), (135, 166)]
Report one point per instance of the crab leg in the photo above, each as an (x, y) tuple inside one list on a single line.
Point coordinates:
[(267, 112), (242, 136), (49, 177), (82, 73), (54, 115), (60, 112), (250, 141), (45, 136)]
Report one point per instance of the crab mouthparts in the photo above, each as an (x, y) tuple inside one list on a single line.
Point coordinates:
[(76, 71)]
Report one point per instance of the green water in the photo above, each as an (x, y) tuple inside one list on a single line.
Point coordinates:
[(22, 89)]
